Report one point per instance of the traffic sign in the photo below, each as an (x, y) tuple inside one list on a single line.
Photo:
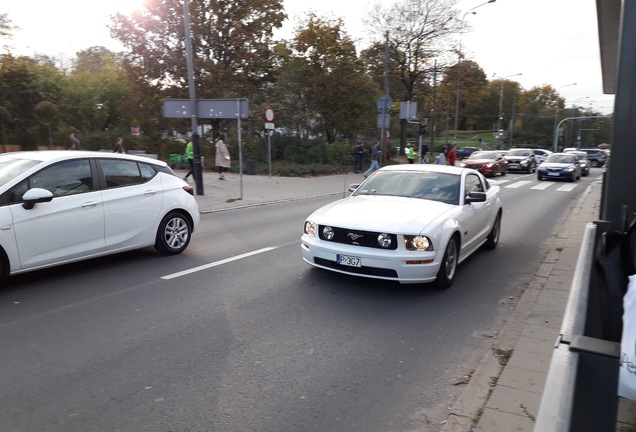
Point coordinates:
[(384, 104), (269, 115)]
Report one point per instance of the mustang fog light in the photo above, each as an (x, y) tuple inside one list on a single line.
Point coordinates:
[(384, 240), (417, 243), (310, 228), (328, 233)]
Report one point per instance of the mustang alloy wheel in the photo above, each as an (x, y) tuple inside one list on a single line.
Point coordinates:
[(493, 237), (446, 272)]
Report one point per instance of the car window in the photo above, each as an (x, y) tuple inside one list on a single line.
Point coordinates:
[(425, 185), (120, 173), (472, 184), (519, 152), (65, 178)]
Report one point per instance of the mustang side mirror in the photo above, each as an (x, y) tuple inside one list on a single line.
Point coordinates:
[(475, 197)]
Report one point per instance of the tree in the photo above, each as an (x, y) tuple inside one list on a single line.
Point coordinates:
[(418, 31), (473, 83), (332, 78)]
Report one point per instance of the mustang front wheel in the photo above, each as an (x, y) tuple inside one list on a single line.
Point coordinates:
[(446, 272)]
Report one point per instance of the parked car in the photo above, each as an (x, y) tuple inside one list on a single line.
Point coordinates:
[(597, 157), (406, 223), (560, 166), (521, 159), (540, 155), (57, 207), (583, 161), (488, 162), (464, 152)]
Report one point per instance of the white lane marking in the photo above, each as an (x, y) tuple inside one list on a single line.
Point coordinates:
[(500, 182), (566, 188), (216, 263), (541, 186), (518, 184)]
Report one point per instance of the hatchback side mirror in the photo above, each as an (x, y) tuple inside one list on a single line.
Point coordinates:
[(34, 196)]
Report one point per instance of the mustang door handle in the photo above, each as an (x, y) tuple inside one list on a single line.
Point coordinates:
[(150, 192), (90, 204)]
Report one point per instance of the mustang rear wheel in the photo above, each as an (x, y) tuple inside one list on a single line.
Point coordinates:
[(446, 272), (493, 237), (173, 235)]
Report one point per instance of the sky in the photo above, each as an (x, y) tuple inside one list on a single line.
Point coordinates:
[(551, 42)]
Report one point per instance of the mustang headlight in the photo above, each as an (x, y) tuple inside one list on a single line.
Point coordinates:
[(310, 228), (384, 240), (417, 243)]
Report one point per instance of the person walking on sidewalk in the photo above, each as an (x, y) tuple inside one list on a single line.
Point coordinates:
[(452, 155), (222, 159), (119, 146), (358, 153), (189, 156), (375, 155), (410, 153)]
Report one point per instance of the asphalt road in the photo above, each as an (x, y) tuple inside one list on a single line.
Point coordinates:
[(238, 334)]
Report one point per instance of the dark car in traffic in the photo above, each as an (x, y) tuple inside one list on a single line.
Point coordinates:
[(463, 152), (488, 162), (521, 159), (564, 166), (583, 161), (597, 157)]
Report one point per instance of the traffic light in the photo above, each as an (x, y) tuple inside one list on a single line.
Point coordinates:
[(422, 130)]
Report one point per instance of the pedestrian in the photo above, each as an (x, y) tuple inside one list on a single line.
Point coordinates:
[(222, 158), (189, 157), (375, 155), (119, 146), (410, 153), (75, 142), (441, 160), (452, 155), (358, 153), (424, 155)]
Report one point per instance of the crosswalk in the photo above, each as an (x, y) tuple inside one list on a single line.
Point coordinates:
[(537, 185)]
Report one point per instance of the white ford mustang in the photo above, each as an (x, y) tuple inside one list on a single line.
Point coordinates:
[(406, 223)]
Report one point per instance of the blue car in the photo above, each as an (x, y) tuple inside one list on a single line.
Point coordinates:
[(560, 166)]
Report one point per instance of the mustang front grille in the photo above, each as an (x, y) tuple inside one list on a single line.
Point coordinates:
[(358, 238)]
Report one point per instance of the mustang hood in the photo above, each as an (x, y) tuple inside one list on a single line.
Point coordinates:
[(381, 213)]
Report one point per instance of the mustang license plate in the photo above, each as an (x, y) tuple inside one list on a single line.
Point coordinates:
[(349, 260)]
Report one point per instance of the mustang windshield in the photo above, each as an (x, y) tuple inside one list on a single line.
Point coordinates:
[(433, 186)]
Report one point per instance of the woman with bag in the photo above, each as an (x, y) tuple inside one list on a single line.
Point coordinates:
[(222, 159)]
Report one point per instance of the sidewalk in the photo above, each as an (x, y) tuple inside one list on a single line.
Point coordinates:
[(505, 391), (254, 190)]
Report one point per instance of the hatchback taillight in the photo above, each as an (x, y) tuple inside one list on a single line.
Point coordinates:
[(189, 189)]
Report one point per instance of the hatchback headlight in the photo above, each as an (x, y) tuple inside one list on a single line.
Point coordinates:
[(310, 228), (417, 243)]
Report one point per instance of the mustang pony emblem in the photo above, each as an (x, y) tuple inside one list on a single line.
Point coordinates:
[(354, 236)]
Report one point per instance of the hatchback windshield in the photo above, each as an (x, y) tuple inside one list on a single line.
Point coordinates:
[(519, 152), (11, 167), (484, 155), (561, 158), (434, 186)]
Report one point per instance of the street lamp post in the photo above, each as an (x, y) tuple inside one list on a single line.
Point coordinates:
[(556, 119), (500, 121), (459, 55)]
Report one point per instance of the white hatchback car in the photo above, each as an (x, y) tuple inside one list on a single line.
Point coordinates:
[(406, 223), (58, 207)]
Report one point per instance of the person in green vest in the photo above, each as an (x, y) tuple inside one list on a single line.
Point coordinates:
[(189, 156), (410, 153)]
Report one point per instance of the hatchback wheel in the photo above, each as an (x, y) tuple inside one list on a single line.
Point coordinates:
[(173, 235), (594, 163), (446, 272)]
